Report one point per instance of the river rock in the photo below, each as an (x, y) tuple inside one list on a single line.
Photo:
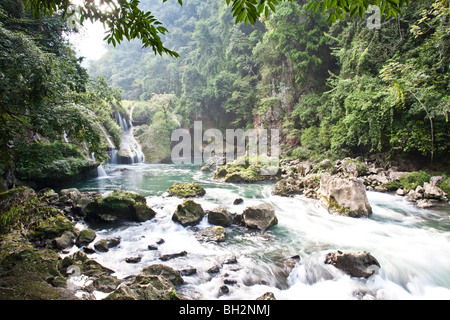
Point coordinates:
[(188, 213), (106, 283), (432, 191), (358, 264), (164, 271), (145, 287), (260, 217), (105, 244), (212, 234), (66, 240), (267, 296), (220, 216), (186, 190), (169, 256), (344, 196), (119, 206), (85, 237)]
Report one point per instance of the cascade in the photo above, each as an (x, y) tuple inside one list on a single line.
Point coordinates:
[(130, 151), (100, 169)]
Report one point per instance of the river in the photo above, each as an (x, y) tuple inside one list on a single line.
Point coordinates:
[(412, 245)]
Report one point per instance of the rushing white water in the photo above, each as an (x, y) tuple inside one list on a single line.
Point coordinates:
[(130, 151), (412, 245)]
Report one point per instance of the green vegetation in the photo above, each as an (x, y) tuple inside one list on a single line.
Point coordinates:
[(46, 162), (186, 190), (336, 89), (119, 206)]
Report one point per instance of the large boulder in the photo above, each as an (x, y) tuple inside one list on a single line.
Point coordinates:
[(357, 264), (220, 216), (119, 206), (260, 217), (188, 213), (344, 196)]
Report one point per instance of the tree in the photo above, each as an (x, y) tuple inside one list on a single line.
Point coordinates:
[(125, 19)]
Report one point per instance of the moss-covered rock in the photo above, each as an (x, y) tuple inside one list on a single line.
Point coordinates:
[(235, 172), (212, 234), (51, 227), (157, 282), (85, 237), (186, 190), (119, 206), (29, 273), (188, 213)]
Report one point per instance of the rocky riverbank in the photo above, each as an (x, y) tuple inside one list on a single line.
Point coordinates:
[(328, 180)]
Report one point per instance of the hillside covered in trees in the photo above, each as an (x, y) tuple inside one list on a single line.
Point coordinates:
[(334, 89)]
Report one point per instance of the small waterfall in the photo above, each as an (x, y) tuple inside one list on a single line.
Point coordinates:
[(100, 169), (130, 151)]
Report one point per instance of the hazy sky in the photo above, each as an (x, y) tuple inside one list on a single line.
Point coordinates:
[(89, 41)]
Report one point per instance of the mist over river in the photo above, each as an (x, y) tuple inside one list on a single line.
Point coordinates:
[(412, 245)]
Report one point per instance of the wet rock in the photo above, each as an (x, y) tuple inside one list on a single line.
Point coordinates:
[(344, 196), (267, 296), (164, 271), (67, 239), (119, 206), (88, 250), (228, 259), (145, 287), (213, 269), (358, 264), (223, 290), (432, 191), (220, 216), (85, 237), (212, 234), (166, 257), (238, 201), (259, 217), (106, 283), (133, 259), (152, 247), (188, 213), (231, 282), (186, 190), (105, 244), (188, 271), (424, 204), (84, 265)]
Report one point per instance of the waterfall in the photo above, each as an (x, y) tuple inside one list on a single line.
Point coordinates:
[(100, 169), (130, 151)]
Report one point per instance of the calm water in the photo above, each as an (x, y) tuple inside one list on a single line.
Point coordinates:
[(411, 245)]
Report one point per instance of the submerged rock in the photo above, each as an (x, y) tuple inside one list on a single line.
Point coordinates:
[(344, 196), (260, 217), (358, 264), (186, 190), (188, 213), (166, 257), (119, 206)]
